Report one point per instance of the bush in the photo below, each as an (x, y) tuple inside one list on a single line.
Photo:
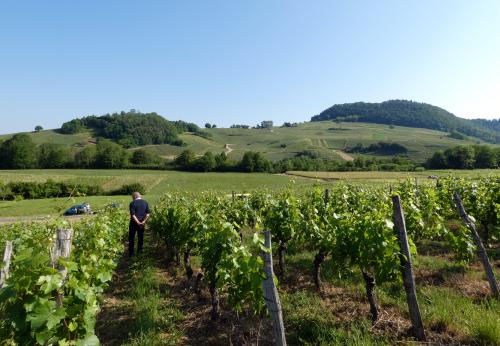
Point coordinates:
[(48, 189), (129, 189)]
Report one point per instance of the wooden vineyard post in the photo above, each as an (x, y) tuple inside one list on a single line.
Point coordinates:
[(62, 249), (327, 196), (271, 294), (407, 269), (4, 272), (480, 247)]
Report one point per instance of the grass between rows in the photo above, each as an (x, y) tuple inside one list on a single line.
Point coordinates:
[(138, 308)]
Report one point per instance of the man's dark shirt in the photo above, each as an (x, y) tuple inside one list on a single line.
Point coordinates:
[(139, 208)]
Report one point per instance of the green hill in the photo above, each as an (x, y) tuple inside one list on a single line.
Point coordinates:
[(411, 114), (130, 128), (325, 138)]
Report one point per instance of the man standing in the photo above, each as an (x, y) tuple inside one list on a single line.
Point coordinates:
[(139, 214)]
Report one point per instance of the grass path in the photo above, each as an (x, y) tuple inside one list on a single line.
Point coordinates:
[(344, 155), (138, 308), (150, 302)]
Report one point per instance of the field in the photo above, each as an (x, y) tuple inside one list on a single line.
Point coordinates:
[(390, 177), (156, 182), (325, 138), (159, 182)]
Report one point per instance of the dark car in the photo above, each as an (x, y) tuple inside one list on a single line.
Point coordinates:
[(83, 208)]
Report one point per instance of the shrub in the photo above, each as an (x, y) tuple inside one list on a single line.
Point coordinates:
[(129, 189)]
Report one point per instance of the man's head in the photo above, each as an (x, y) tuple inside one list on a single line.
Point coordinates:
[(136, 195)]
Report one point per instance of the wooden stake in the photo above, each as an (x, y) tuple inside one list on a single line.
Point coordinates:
[(62, 249), (480, 247), (327, 195), (4, 272), (271, 294), (407, 270)]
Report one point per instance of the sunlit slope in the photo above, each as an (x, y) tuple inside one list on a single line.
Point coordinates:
[(52, 136), (322, 137)]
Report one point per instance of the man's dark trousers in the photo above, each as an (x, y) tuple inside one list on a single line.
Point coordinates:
[(133, 229)]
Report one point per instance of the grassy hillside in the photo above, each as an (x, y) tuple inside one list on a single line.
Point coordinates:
[(412, 114), (52, 136), (326, 138)]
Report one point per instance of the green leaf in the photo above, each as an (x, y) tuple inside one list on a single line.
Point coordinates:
[(105, 276), (90, 340), (46, 313), (50, 282)]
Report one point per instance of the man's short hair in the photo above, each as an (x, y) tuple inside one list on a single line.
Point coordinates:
[(136, 195)]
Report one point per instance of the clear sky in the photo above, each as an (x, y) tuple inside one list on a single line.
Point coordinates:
[(228, 62)]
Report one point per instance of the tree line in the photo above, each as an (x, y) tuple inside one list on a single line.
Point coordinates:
[(51, 189), (20, 152), (304, 161), (465, 157)]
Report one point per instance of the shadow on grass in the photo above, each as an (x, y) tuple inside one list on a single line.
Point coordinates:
[(116, 315)]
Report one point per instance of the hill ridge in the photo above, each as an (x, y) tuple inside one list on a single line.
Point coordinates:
[(410, 114)]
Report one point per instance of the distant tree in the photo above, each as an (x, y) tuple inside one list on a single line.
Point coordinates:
[(110, 155), (72, 127), (51, 155), (460, 157), (18, 152), (485, 157), (214, 126), (141, 157), (208, 126), (38, 128), (221, 160), (254, 162), (206, 163), (86, 158), (186, 159), (266, 124), (437, 161)]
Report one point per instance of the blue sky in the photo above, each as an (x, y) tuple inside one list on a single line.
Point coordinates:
[(228, 62)]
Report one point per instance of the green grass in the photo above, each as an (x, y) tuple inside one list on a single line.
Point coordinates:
[(386, 177), (157, 183), (309, 323), (51, 136), (155, 314), (446, 310), (138, 307), (322, 137)]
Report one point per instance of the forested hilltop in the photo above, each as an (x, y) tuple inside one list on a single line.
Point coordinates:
[(411, 114), (131, 129)]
